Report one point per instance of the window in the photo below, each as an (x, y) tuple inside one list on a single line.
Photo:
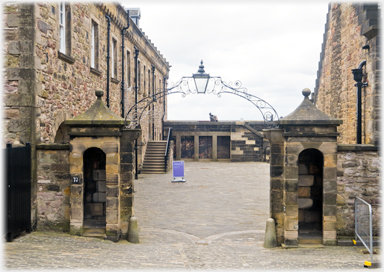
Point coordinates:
[(159, 90), (65, 45), (95, 45), (114, 58), (149, 82), (145, 83), (139, 76), (128, 69), (154, 84), (62, 27)]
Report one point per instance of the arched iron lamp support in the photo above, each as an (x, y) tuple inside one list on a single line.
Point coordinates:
[(203, 83)]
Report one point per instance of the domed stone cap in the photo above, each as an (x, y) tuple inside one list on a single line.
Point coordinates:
[(97, 115), (308, 114)]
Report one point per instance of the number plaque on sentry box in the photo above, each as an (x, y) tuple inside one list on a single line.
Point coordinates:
[(178, 171)]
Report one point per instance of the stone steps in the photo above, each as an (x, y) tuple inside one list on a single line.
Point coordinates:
[(154, 158)]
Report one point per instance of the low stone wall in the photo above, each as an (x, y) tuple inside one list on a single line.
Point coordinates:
[(53, 192), (245, 145), (170, 156), (358, 175)]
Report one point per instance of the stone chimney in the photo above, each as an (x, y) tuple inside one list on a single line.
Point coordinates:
[(135, 15)]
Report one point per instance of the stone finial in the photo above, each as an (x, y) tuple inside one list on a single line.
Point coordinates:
[(99, 93), (306, 92)]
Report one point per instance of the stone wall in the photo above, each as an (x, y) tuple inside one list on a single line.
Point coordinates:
[(170, 156), (358, 171), (349, 28), (53, 196), (245, 145)]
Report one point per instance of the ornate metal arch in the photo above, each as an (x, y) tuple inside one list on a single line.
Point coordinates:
[(216, 86)]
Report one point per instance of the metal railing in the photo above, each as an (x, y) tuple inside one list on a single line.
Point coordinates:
[(363, 224), (18, 191), (167, 149)]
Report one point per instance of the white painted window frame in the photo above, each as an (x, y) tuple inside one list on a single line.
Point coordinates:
[(93, 46), (62, 27)]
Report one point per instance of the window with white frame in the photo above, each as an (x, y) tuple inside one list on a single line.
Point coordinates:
[(128, 68), (65, 32), (62, 27), (94, 45), (114, 58)]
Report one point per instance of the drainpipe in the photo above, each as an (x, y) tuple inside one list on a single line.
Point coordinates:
[(122, 67), (108, 57), (358, 76), (153, 105), (136, 93)]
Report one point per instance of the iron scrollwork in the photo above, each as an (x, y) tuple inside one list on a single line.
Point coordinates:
[(216, 86)]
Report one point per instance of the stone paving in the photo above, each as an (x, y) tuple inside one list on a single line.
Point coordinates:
[(215, 220)]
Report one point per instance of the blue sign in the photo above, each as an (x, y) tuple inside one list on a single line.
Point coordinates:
[(178, 171)]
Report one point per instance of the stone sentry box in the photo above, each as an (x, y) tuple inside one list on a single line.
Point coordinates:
[(99, 145), (303, 176)]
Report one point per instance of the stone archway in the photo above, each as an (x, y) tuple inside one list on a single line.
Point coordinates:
[(59, 131), (310, 196)]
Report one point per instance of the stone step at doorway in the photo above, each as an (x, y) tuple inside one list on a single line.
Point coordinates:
[(310, 237), (94, 228), (96, 233)]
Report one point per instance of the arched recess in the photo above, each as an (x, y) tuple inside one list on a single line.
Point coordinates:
[(94, 198), (310, 196), (59, 129), (61, 135)]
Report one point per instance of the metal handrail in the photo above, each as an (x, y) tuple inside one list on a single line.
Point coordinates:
[(167, 148), (358, 227)]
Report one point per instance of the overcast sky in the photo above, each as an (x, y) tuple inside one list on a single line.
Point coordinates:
[(272, 47)]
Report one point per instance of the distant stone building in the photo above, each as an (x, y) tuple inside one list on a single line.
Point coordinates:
[(235, 141), (352, 35), (56, 55)]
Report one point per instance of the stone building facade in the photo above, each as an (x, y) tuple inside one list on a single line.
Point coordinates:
[(55, 56), (351, 41), (235, 141), (352, 35)]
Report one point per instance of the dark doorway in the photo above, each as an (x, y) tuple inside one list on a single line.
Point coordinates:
[(310, 196), (94, 191), (187, 147), (205, 147), (223, 147)]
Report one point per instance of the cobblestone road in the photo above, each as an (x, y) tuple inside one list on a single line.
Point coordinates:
[(215, 220)]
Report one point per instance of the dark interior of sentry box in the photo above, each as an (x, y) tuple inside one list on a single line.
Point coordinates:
[(94, 188), (310, 196)]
